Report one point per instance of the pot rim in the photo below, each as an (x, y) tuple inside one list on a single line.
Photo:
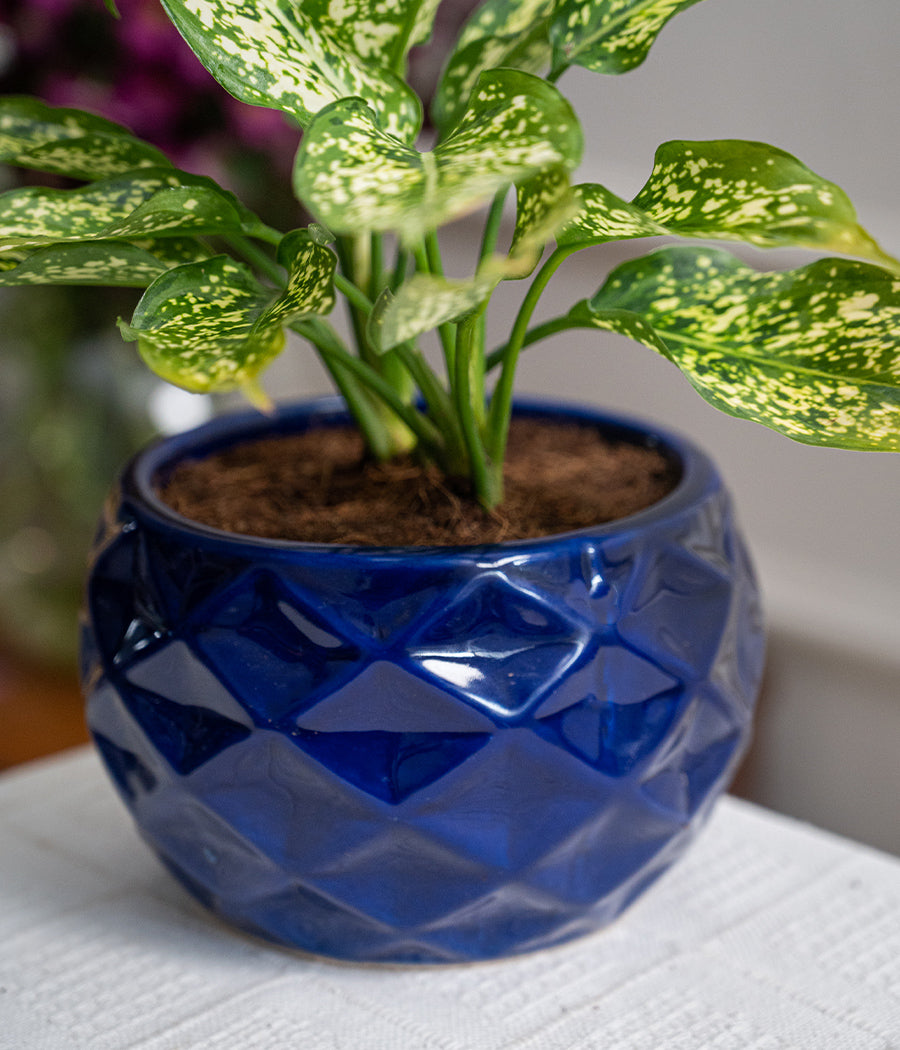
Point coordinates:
[(699, 476)]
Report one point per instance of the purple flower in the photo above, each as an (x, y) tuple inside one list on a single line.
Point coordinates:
[(138, 71)]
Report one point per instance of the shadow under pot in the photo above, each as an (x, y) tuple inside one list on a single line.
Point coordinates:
[(430, 754)]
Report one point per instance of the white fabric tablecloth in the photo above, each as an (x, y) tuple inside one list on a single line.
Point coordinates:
[(769, 935)]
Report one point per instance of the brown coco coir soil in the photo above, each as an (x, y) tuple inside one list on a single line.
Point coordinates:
[(320, 487)]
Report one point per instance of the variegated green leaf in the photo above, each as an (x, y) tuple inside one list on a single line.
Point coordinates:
[(194, 326), (310, 288), (608, 36), (544, 205), (174, 251), (728, 190), (157, 202), (425, 301), (512, 34), (69, 142), (422, 303), (276, 53), (356, 178), (109, 263), (752, 192), (423, 23), (103, 263), (212, 326), (601, 216), (813, 353), (379, 35)]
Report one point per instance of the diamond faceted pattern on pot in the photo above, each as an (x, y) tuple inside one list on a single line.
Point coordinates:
[(275, 654), (709, 533), (698, 755), (126, 612), (512, 802), (499, 645), (628, 707), (673, 607), (374, 606), (191, 582), (182, 706), (391, 733)]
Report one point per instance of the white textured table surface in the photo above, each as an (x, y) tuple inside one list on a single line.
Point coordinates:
[(769, 935)]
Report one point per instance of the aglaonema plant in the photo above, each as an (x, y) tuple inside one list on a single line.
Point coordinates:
[(810, 352)]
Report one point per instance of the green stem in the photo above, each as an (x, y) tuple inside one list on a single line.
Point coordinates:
[(371, 425), (353, 294), (532, 336), (258, 258), (361, 255), (376, 279), (501, 400), (487, 483), (266, 233), (440, 406), (331, 347), (400, 266), (346, 280), (488, 246), (445, 331), (492, 226), (387, 365), (433, 254), (555, 74)]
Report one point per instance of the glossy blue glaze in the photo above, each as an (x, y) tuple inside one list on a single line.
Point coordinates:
[(434, 755)]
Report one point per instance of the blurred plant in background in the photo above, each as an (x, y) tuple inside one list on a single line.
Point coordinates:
[(137, 71), (74, 400)]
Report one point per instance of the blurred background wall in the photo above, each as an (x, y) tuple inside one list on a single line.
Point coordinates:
[(821, 79)]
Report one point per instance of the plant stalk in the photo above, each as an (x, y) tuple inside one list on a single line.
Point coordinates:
[(532, 336), (258, 258), (487, 481), (330, 346), (445, 331), (501, 400)]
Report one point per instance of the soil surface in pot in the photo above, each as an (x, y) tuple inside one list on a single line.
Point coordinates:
[(319, 487)]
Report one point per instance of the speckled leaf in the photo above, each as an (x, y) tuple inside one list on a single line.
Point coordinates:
[(199, 210), (278, 54), (544, 204), (601, 216), (212, 326), (157, 202), (422, 303), (813, 353), (355, 177), (422, 29), (310, 289), (425, 301), (500, 33), (608, 36), (68, 141), (174, 251), (752, 192), (104, 263), (377, 34), (728, 190), (107, 263)]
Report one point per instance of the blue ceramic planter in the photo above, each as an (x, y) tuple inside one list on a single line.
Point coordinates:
[(435, 754)]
